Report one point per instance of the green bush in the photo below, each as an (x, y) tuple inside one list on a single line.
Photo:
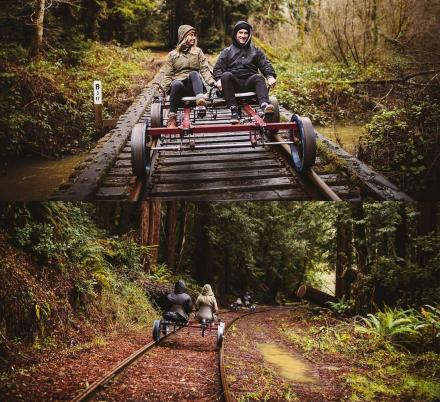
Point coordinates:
[(401, 140)]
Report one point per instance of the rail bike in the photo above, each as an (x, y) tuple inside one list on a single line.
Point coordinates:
[(170, 323), (193, 120)]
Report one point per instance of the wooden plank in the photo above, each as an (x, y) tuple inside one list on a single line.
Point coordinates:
[(213, 152), (220, 158), (112, 193), (293, 194), (227, 185), (202, 177), (214, 166)]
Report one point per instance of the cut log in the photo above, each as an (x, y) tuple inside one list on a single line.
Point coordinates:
[(315, 296)]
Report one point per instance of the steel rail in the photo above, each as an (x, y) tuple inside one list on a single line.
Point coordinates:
[(94, 388), (311, 175)]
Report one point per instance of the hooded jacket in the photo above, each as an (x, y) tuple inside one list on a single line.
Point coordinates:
[(180, 302), (243, 60), (206, 304), (181, 63)]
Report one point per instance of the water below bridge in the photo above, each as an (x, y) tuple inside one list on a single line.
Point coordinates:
[(34, 179)]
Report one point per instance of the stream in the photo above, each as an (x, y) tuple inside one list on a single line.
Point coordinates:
[(35, 179)]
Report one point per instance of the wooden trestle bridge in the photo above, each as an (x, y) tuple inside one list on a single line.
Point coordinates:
[(223, 166)]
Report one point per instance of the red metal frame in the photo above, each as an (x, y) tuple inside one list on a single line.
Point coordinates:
[(256, 124)]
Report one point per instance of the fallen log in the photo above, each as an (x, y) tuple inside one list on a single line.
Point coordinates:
[(315, 296)]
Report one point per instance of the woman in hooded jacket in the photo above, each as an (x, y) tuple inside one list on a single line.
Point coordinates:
[(206, 304), (185, 66)]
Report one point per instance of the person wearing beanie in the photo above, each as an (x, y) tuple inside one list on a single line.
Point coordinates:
[(179, 303), (236, 70), (184, 69)]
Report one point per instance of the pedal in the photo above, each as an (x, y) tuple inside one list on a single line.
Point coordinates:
[(201, 111)]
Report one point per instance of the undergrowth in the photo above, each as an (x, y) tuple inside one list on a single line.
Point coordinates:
[(46, 105), (383, 365)]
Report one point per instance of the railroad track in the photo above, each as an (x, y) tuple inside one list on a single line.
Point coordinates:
[(226, 168), (94, 389)]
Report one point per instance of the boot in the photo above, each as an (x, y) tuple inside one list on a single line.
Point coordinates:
[(172, 120), (200, 100), (235, 118), (267, 109)]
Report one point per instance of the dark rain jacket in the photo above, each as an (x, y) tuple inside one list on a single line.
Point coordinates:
[(243, 60), (179, 301)]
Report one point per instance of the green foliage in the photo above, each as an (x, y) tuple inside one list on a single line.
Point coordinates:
[(341, 306), (391, 325), (400, 141), (320, 91), (45, 107)]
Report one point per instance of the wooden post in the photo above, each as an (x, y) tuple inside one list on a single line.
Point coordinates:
[(97, 101)]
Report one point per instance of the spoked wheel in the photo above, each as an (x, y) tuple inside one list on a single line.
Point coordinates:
[(164, 329), (220, 333), (304, 148), (156, 330), (275, 117), (140, 154), (156, 115)]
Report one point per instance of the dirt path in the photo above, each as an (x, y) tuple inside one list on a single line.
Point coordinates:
[(254, 378)]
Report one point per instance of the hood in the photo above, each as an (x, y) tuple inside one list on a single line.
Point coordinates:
[(242, 25), (183, 31), (207, 291), (179, 287)]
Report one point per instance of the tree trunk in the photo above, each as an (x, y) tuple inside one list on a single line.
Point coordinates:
[(402, 235), (154, 233), (144, 228), (183, 229), (315, 296), (171, 234), (39, 28), (343, 253)]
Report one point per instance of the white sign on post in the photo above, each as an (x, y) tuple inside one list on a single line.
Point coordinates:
[(97, 92)]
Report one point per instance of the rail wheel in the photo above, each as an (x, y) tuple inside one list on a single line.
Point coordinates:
[(156, 330), (220, 333), (275, 118), (304, 148), (156, 115), (164, 329), (140, 154)]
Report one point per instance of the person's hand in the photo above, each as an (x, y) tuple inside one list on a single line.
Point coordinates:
[(218, 84), (271, 81)]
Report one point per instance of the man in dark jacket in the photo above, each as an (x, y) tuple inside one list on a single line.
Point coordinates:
[(237, 70), (180, 303)]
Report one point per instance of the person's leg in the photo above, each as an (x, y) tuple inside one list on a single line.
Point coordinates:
[(197, 88), (230, 84), (177, 91), (256, 83), (176, 94)]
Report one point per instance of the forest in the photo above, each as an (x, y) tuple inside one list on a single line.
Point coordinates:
[(68, 269), (82, 284), (370, 63)]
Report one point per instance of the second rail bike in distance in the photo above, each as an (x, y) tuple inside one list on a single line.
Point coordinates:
[(172, 321), (298, 134)]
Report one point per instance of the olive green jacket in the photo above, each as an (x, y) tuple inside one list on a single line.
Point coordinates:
[(180, 64)]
